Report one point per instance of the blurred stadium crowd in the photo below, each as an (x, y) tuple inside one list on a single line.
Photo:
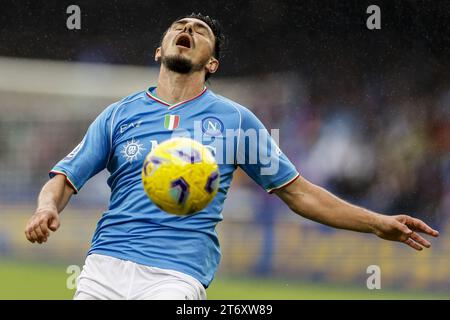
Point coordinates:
[(379, 146)]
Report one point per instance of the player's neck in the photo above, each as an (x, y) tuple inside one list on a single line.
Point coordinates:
[(174, 87)]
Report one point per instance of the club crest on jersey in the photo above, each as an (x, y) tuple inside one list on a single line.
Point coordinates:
[(171, 122), (212, 126), (132, 150)]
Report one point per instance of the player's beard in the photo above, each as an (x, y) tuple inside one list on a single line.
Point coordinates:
[(179, 64)]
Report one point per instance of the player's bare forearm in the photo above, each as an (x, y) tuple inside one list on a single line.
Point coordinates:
[(317, 204), (55, 194), (52, 199)]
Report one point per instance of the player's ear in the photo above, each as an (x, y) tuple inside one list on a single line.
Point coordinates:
[(158, 54), (212, 65)]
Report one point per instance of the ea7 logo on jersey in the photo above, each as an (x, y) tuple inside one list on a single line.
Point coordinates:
[(127, 126), (74, 151)]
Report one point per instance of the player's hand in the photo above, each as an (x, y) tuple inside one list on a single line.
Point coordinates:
[(40, 224), (405, 229)]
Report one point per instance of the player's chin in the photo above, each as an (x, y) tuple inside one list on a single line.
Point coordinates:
[(187, 55), (175, 53)]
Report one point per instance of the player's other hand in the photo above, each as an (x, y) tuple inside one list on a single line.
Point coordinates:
[(40, 224), (405, 229)]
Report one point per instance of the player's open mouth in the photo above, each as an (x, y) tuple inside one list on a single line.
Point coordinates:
[(183, 41)]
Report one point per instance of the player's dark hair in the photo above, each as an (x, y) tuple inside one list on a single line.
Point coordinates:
[(216, 28)]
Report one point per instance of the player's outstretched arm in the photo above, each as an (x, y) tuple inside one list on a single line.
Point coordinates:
[(315, 203), (52, 199)]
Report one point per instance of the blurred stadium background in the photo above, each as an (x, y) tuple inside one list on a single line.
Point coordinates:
[(366, 114)]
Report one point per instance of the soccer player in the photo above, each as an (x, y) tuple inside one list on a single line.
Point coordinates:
[(140, 252)]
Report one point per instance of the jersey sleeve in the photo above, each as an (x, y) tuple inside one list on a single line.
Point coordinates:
[(91, 155), (260, 157)]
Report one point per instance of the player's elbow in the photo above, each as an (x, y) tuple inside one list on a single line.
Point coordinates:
[(299, 204), (294, 200), (304, 202), (296, 196)]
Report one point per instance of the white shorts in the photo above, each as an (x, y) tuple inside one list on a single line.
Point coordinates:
[(107, 278)]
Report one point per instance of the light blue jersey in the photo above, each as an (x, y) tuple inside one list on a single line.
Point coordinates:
[(135, 229)]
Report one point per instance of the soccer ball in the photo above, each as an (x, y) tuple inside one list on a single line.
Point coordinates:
[(180, 176)]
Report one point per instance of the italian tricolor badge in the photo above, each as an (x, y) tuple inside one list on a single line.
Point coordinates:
[(171, 122)]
